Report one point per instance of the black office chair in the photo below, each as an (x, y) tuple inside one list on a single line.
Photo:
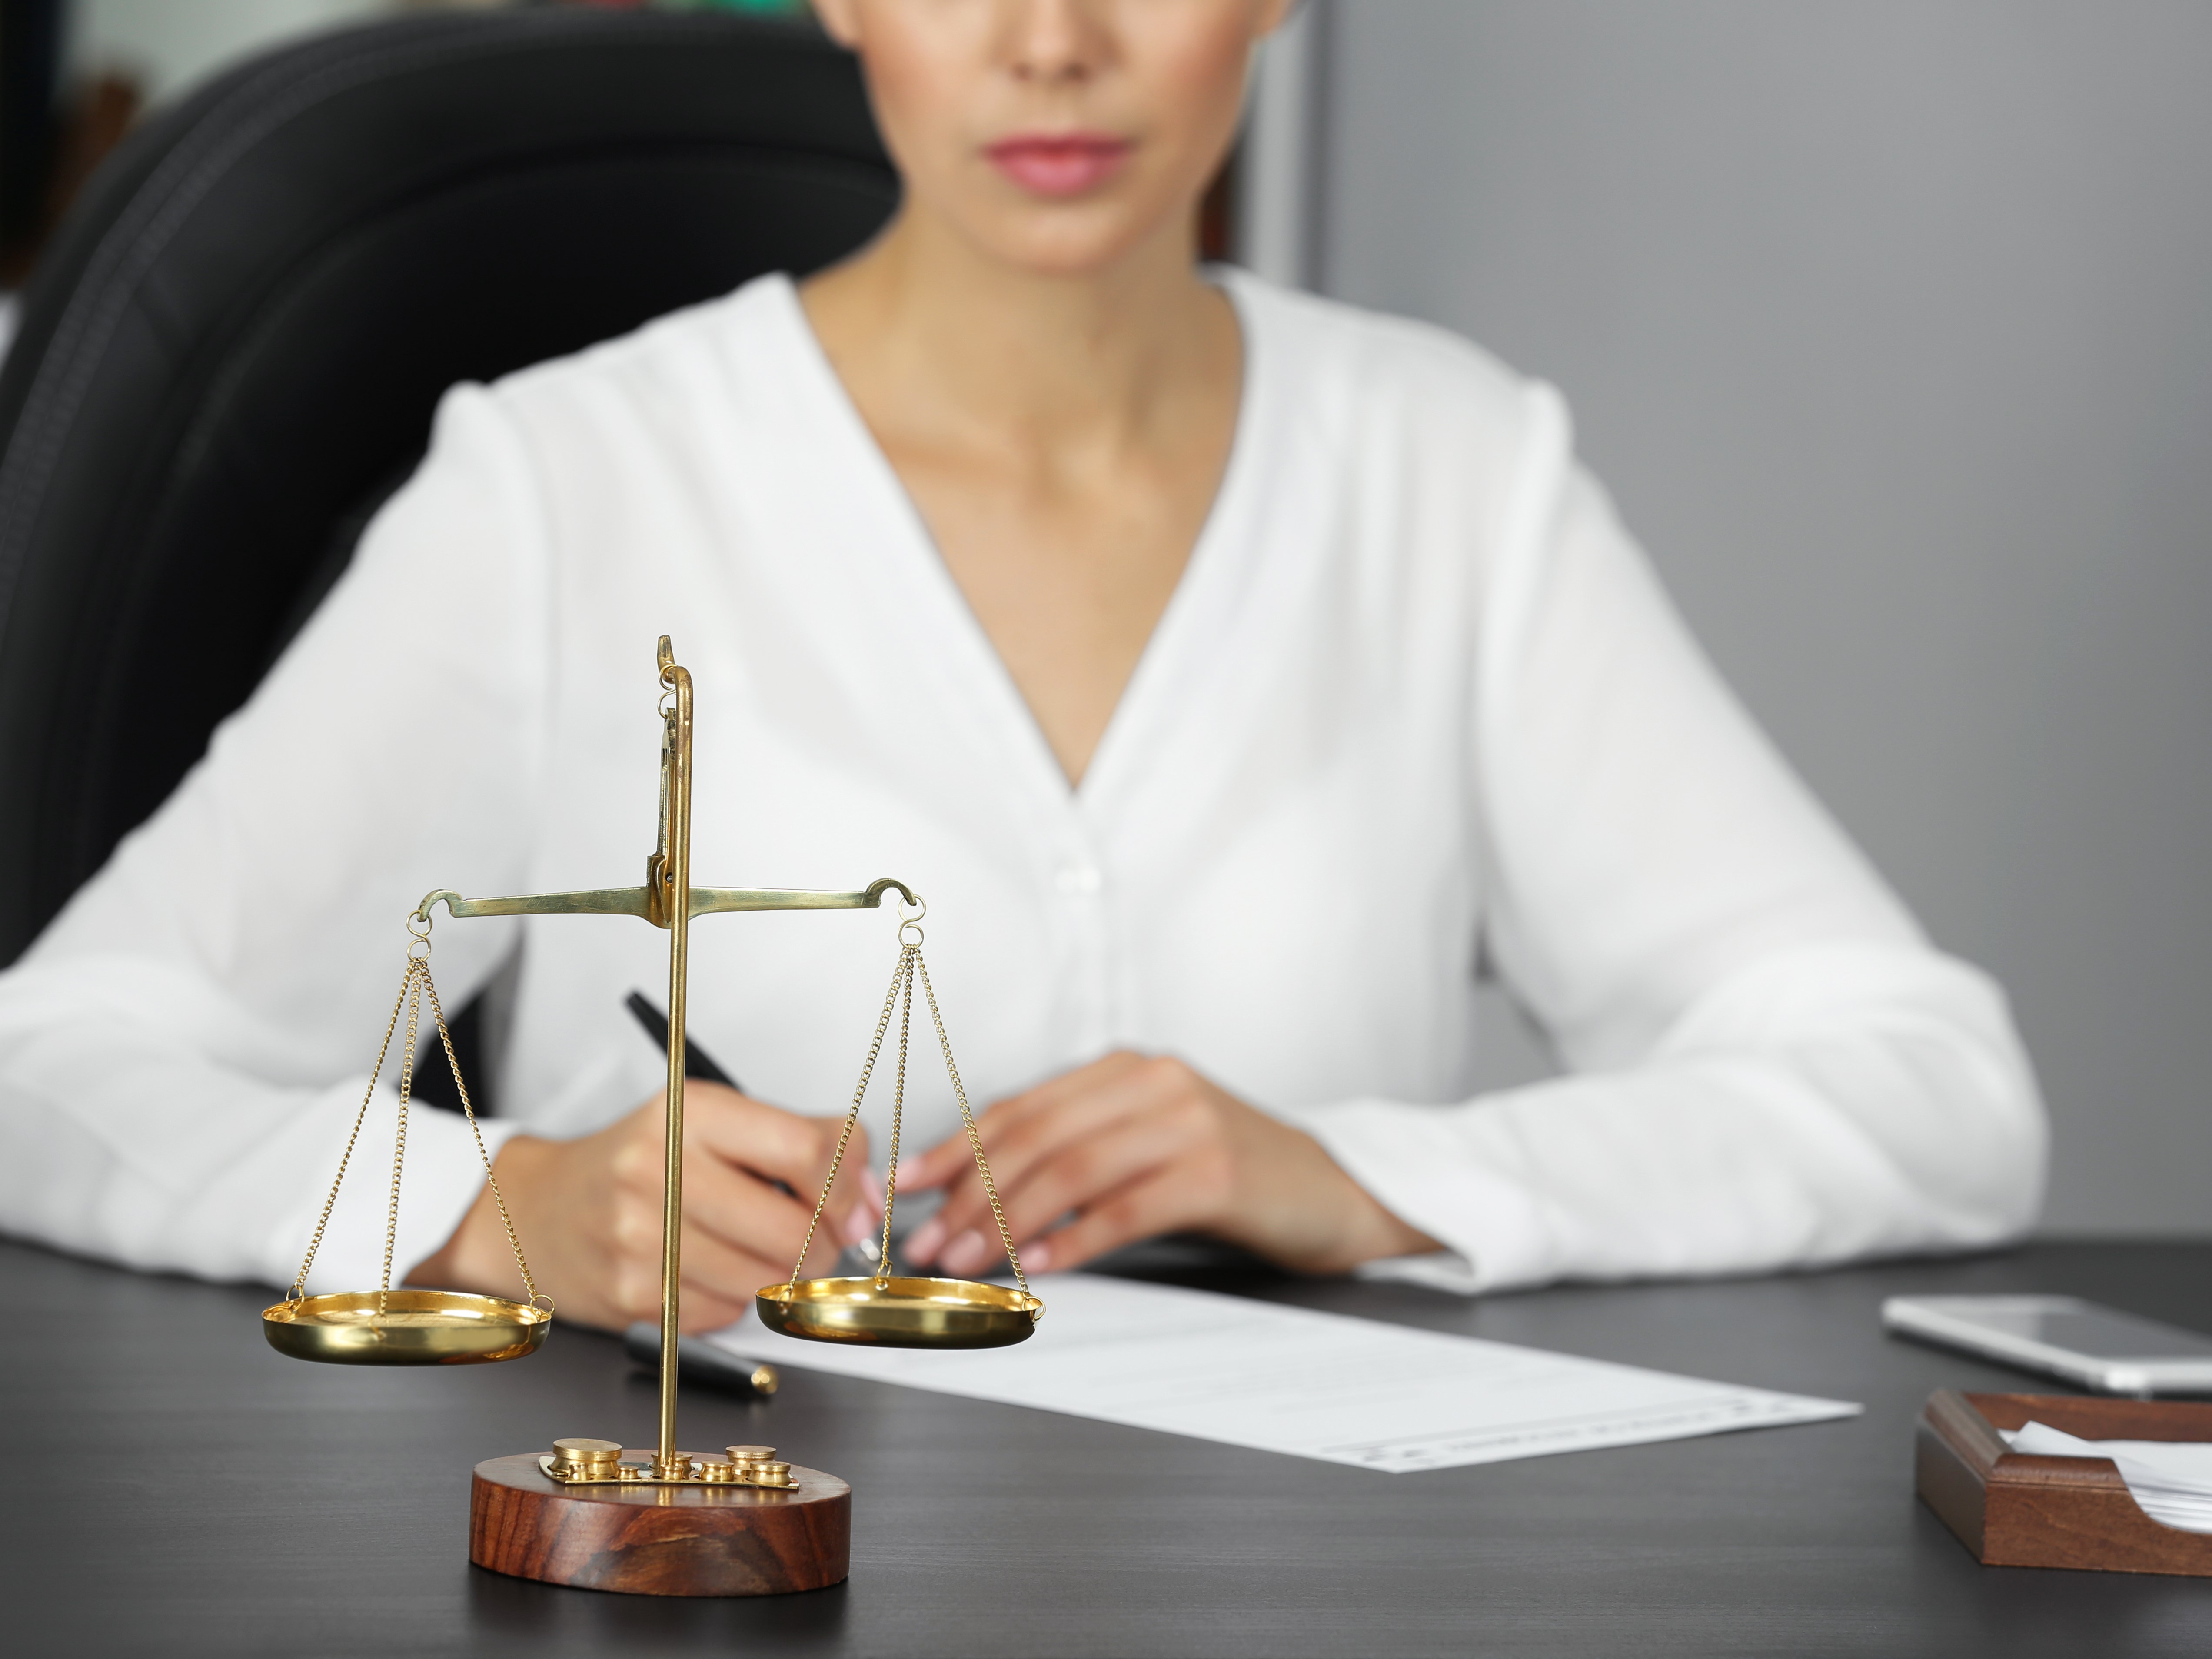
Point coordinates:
[(231, 353)]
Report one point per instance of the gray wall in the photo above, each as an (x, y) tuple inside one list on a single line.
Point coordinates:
[(1889, 323)]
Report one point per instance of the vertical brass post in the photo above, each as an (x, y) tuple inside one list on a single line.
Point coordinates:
[(674, 876)]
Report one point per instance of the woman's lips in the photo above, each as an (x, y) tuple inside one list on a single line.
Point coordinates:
[(1062, 164)]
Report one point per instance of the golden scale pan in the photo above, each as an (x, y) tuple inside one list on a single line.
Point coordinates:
[(404, 1326)]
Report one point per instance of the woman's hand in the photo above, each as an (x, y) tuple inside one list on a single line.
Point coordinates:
[(589, 1210), (1133, 1147)]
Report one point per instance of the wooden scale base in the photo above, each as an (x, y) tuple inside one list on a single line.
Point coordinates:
[(660, 1541)]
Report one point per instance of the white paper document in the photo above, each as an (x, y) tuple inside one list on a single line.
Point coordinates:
[(1311, 1384), (2170, 1479)]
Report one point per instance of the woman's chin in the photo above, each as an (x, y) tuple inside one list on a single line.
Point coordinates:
[(1066, 242)]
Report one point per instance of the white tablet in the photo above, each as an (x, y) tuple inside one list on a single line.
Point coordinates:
[(2094, 1348)]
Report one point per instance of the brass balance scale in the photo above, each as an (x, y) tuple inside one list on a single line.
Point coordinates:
[(665, 1521)]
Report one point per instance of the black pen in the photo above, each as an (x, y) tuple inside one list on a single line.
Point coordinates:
[(699, 1362), (696, 1061)]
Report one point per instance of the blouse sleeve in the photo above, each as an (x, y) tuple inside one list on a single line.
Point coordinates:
[(183, 1051), (1769, 1066)]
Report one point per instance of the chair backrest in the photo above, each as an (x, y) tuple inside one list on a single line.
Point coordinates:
[(231, 353)]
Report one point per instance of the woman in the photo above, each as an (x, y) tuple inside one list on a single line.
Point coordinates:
[(1227, 667)]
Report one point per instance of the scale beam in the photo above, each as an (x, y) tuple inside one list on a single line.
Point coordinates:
[(639, 901), (599, 902), (721, 901)]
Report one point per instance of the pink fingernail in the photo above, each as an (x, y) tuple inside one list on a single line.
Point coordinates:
[(965, 1254), (1037, 1258), (860, 1225), (908, 1169), (922, 1244), (872, 1185)]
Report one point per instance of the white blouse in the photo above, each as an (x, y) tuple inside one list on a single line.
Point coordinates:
[(1417, 699)]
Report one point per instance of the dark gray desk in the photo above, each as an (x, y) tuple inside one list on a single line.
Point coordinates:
[(176, 1487)]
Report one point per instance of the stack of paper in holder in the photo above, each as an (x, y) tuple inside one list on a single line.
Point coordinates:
[(2171, 1481)]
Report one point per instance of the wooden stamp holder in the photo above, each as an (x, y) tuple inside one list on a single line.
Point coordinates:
[(2013, 1510)]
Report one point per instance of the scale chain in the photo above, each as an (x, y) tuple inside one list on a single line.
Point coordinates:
[(300, 1284), (411, 990), (908, 955), (852, 1119), (468, 1109), (413, 984), (975, 1137), (901, 998)]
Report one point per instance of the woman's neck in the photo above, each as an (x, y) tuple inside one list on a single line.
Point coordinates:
[(1063, 438), (925, 327)]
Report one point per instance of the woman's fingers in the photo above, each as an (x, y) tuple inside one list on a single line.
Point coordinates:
[(1053, 1156), (952, 1156), (1171, 1198), (1093, 1176), (1141, 1145), (731, 1140), (719, 1278), (751, 1175), (1088, 1171), (778, 1146), (589, 1210), (719, 1281), (737, 1209), (704, 1311)]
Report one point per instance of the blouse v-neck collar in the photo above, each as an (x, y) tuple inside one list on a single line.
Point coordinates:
[(1181, 658)]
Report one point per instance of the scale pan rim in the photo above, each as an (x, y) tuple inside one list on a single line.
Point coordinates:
[(438, 1327), (908, 1313)]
